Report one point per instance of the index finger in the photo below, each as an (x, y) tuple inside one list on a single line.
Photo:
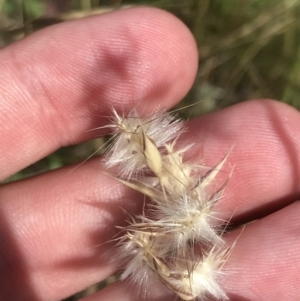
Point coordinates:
[(57, 82)]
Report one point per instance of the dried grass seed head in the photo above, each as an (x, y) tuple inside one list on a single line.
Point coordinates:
[(161, 244)]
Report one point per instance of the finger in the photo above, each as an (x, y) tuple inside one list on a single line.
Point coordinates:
[(265, 157), (57, 83), (56, 229), (264, 263), (63, 198)]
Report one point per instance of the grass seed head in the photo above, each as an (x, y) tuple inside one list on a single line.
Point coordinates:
[(161, 243)]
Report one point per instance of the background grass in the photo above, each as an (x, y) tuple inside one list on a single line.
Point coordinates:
[(249, 49)]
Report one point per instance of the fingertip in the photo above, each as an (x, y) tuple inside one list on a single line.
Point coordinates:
[(58, 81)]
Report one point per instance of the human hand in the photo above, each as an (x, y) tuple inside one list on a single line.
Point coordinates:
[(54, 227)]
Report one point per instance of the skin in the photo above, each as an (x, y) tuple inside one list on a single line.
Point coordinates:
[(55, 86)]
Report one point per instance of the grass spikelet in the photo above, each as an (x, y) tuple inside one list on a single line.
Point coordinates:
[(176, 175), (198, 278), (137, 140), (164, 242), (189, 222)]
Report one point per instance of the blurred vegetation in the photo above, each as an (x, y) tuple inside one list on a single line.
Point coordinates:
[(248, 48)]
